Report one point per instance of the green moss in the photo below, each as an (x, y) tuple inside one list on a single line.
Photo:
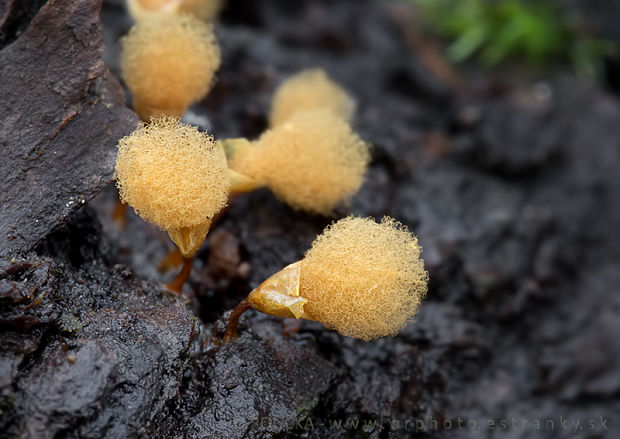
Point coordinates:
[(534, 31)]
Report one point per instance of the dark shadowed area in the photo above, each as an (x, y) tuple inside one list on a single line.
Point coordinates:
[(511, 185)]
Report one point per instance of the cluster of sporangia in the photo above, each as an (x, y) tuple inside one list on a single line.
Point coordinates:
[(361, 278)]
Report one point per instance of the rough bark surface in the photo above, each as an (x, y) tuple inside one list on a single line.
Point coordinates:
[(61, 116)]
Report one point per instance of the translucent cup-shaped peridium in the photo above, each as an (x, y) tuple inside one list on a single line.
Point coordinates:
[(189, 239), (279, 294)]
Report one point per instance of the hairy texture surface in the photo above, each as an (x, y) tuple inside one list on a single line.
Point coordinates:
[(310, 90), (205, 10), (172, 174), (312, 162), (168, 62), (364, 279)]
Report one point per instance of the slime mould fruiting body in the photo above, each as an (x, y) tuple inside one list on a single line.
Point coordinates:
[(168, 62), (310, 89), (175, 177), (361, 278), (311, 162)]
